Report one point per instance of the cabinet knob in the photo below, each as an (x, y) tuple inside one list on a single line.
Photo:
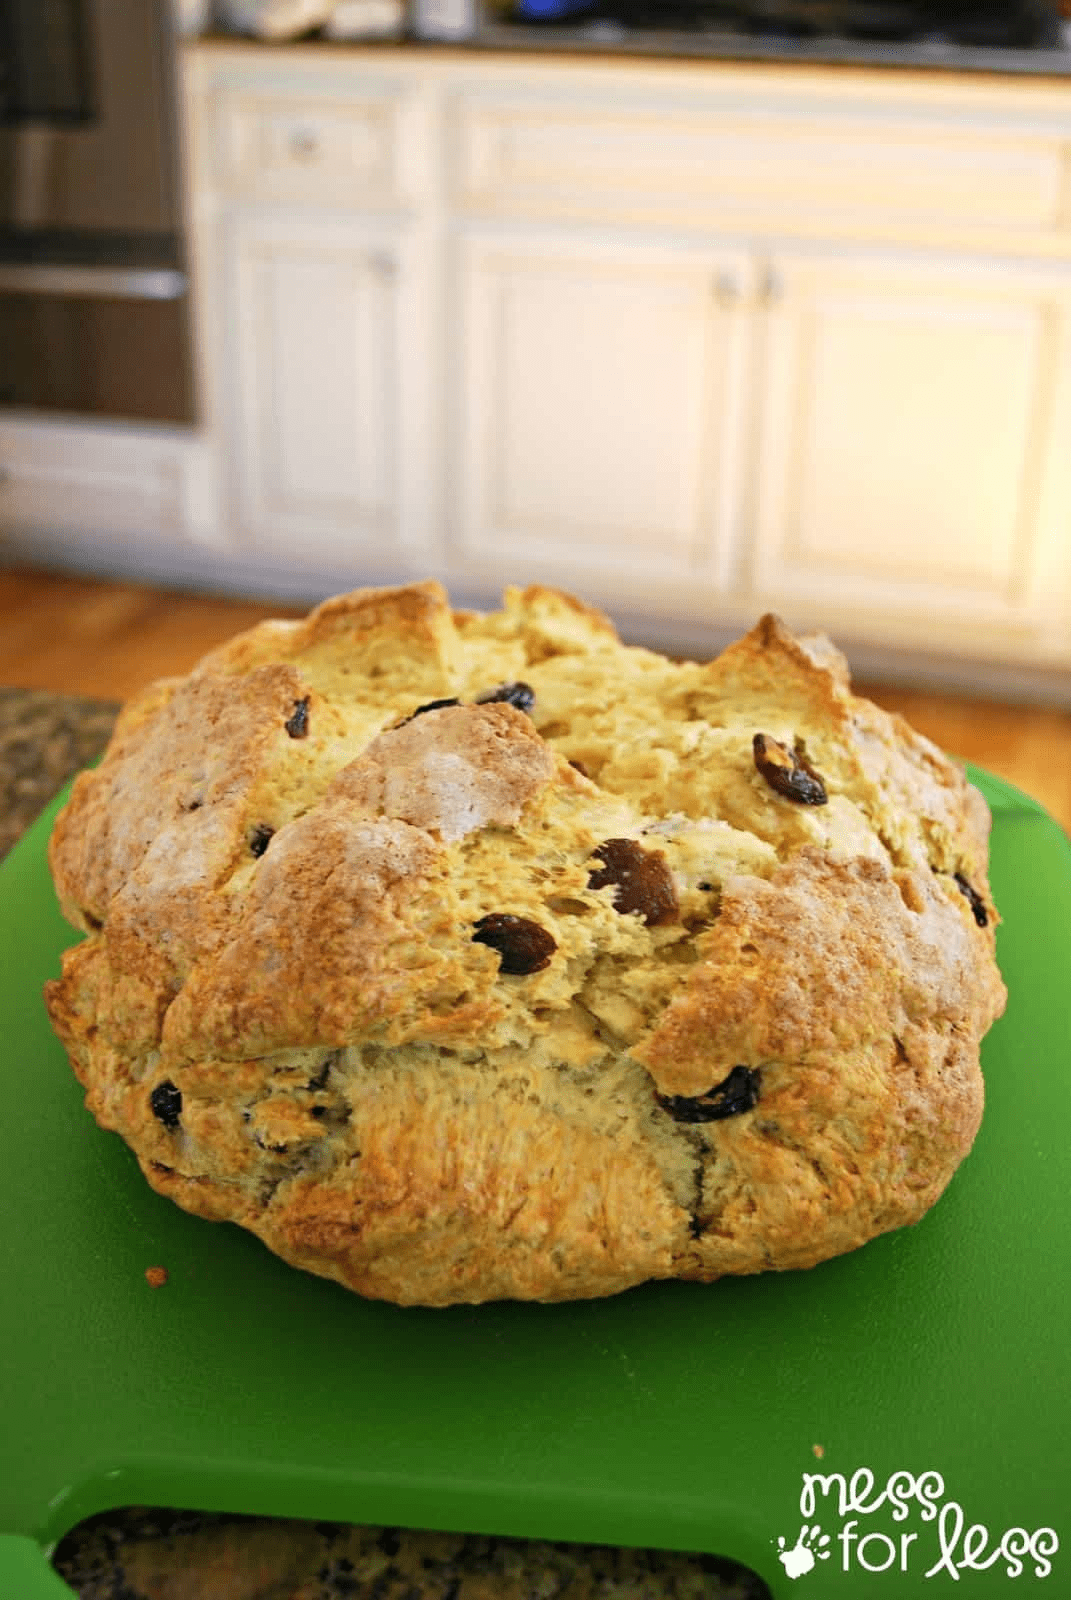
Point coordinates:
[(304, 144), (383, 264)]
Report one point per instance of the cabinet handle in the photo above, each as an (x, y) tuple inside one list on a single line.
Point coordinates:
[(304, 144), (383, 265), (773, 289), (727, 290)]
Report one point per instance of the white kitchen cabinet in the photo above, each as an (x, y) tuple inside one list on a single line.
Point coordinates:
[(766, 151), (329, 364), (913, 436), (693, 340), (353, 142), (80, 481), (602, 407), (866, 436)]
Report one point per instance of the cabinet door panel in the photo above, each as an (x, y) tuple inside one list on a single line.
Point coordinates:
[(602, 405), (327, 340), (907, 453), (324, 318)]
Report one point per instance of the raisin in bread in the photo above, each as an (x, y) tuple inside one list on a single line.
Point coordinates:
[(468, 956)]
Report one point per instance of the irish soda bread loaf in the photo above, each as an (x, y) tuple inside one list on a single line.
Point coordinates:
[(470, 956)]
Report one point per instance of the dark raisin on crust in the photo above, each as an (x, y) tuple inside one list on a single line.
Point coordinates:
[(974, 900), (260, 838), (436, 705), (523, 945), (297, 725), (521, 695), (788, 772), (166, 1104), (734, 1094), (641, 881), (432, 705)]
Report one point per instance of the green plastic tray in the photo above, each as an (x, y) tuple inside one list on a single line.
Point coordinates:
[(676, 1415)]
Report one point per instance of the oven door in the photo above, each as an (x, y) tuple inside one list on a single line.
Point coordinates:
[(93, 313), (95, 325)]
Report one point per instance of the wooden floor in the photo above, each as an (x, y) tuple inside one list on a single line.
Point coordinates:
[(84, 636)]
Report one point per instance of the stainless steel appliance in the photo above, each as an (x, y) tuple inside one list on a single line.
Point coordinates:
[(93, 288)]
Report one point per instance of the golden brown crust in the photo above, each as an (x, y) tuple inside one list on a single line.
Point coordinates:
[(820, 956), (361, 977)]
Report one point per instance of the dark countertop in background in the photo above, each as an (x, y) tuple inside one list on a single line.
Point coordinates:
[(934, 57), (604, 40), (159, 1555), (44, 739)]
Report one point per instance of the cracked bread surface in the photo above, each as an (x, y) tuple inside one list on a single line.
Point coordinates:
[(453, 992)]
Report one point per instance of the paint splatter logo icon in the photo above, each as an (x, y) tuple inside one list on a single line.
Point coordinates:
[(811, 1546)]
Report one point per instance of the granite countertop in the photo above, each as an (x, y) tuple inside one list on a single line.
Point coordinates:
[(607, 39), (142, 1554), (44, 739), (923, 56)]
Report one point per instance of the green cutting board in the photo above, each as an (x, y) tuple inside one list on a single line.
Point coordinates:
[(677, 1415)]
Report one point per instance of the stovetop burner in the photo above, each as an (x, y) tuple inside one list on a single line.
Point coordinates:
[(1006, 24)]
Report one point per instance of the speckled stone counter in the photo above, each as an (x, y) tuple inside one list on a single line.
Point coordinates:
[(167, 1555), (44, 738), (140, 1554)]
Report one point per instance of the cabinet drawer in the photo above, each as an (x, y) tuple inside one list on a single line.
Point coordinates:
[(68, 479), (301, 147), (714, 166)]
